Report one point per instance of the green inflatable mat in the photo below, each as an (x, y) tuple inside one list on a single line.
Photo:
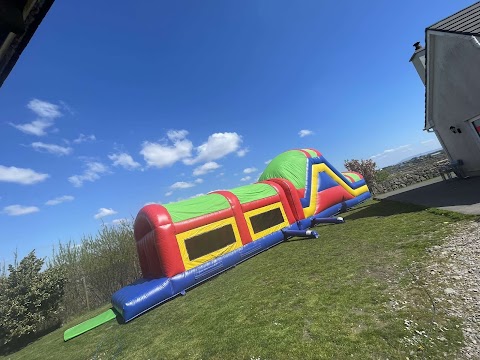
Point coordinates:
[(89, 324)]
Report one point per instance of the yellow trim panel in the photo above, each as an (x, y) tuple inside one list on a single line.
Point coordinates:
[(182, 237), (251, 213), (318, 168)]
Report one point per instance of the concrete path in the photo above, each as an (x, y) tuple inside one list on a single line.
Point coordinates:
[(458, 195)]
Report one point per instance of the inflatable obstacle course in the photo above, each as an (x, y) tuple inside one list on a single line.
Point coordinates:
[(183, 244)]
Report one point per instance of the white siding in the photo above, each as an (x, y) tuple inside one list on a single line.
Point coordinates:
[(453, 95)]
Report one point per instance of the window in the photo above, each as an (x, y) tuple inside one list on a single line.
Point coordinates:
[(266, 220), (208, 242), (476, 125)]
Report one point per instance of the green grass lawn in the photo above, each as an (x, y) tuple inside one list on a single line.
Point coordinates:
[(348, 294)]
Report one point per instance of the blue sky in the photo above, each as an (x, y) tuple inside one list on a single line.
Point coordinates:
[(114, 105)]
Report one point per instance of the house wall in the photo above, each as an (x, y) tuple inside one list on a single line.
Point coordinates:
[(453, 91)]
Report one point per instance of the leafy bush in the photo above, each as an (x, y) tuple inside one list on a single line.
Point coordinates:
[(381, 176), (365, 167), (29, 299), (97, 267), (78, 277)]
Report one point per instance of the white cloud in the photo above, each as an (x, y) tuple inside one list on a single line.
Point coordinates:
[(102, 212), (21, 175), (162, 155), (67, 107), (249, 170), (246, 178), (196, 195), (199, 181), (303, 133), (175, 135), (47, 113), (242, 152), (268, 161), (377, 156), (124, 160), (120, 221), (427, 141), (44, 109), (59, 200), (84, 138), (36, 127), (206, 168), (168, 193), (182, 185), (403, 148), (91, 173), (217, 146), (51, 148), (17, 210)]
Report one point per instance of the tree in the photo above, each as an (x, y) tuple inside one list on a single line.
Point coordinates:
[(29, 299), (96, 267), (367, 168)]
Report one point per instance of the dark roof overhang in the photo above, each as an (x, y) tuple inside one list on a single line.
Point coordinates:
[(19, 19)]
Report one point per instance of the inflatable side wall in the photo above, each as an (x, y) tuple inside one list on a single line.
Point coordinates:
[(183, 244)]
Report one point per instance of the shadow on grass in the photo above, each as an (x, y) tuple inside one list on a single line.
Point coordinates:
[(381, 209), (455, 192), (26, 340), (295, 238)]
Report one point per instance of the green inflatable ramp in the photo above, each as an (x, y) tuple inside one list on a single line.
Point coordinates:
[(89, 324)]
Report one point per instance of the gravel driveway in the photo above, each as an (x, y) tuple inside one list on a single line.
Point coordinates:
[(455, 268)]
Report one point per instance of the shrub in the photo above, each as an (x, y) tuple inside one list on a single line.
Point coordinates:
[(365, 167), (97, 267), (29, 299), (381, 176)]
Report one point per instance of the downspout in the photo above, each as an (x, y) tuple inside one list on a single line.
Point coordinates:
[(475, 42)]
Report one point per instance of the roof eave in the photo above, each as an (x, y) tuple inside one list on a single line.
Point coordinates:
[(20, 41), (427, 125)]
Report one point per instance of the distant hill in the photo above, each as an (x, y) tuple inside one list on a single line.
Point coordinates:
[(412, 170), (418, 155)]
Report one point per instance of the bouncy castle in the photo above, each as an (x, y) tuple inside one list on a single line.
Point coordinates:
[(185, 243)]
